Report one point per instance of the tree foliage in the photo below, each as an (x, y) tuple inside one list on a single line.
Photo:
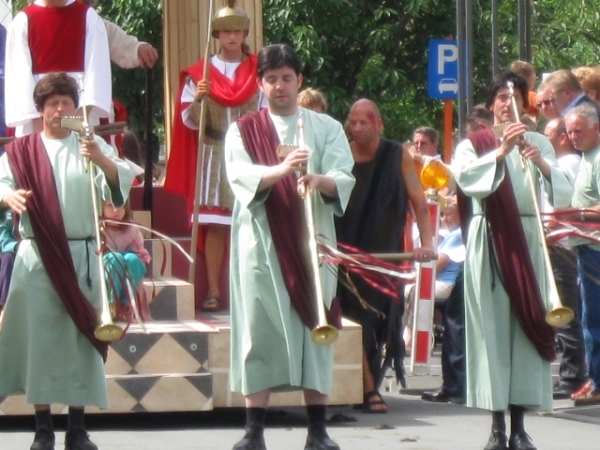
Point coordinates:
[(143, 19), (377, 48)]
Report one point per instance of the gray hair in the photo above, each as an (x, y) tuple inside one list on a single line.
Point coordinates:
[(586, 111)]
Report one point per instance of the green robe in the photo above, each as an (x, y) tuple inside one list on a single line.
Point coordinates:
[(42, 353), (503, 366), (270, 346)]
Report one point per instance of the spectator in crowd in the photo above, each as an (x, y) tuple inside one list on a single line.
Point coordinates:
[(584, 131), (572, 371), (313, 99)]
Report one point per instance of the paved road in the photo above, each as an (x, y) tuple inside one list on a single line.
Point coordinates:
[(410, 424)]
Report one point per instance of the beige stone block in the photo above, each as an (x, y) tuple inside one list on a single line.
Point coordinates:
[(347, 386), (162, 254), (115, 365), (143, 218), (218, 350), (119, 400), (174, 393), (167, 356), (348, 348), (171, 294)]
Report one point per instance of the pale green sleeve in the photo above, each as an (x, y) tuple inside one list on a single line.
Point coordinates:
[(477, 176), (117, 195), (559, 187), (338, 163)]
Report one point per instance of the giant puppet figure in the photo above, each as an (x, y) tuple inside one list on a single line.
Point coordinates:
[(230, 91), (55, 36)]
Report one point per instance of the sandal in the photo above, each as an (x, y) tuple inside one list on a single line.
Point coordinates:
[(369, 403), (211, 303)]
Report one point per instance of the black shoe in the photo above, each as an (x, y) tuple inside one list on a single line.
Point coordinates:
[(79, 440), (520, 441), (252, 440), (562, 391), (320, 441), (441, 396), (43, 440), (497, 441)]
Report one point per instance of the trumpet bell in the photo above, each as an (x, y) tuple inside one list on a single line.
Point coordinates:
[(324, 334), (560, 316), (108, 332)]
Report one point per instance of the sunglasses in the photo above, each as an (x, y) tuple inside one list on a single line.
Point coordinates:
[(547, 102)]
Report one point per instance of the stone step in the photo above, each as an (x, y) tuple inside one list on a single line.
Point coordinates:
[(347, 372), (169, 298), (163, 347), (184, 366), (170, 392)]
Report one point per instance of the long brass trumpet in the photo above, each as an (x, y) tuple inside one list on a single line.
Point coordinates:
[(106, 330), (559, 315), (323, 333)]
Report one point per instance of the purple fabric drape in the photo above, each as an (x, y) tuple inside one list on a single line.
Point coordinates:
[(32, 171), (512, 253), (285, 214)]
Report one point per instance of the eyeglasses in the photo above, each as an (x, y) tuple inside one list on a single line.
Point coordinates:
[(547, 102)]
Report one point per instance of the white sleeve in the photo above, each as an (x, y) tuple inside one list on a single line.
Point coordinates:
[(188, 95), (122, 46), (19, 80), (97, 81)]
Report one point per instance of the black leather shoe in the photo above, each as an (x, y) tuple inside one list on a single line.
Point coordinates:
[(497, 441), (441, 396), (79, 440), (320, 441), (43, 440), (562, 391), (520, 441), (252, 440)]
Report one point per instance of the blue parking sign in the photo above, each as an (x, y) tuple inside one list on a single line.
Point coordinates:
[(442, 76)]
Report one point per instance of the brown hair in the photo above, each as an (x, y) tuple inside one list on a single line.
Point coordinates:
[(55, 83), (589, 78), (429, 132), (523, 68), (313, 99), (561, 79)]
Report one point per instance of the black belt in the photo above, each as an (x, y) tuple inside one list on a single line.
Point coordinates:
[(87, 239)]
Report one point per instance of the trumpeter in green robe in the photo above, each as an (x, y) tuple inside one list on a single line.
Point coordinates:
[(271, 348), (503, 366), (42, 353)]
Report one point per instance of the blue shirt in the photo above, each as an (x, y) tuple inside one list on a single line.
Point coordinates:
[(453, 247)]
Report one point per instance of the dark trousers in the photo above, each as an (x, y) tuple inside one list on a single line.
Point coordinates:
[(569, 338), (7, 261), (453, 342)]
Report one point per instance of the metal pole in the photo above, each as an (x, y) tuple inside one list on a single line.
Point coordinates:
[(528, 13), (495, 33), (460, 42), (469, 54), (149, 138), (521, 30)]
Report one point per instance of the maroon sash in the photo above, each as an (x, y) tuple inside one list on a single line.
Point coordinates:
[(31, 168), (286, 219), (513, 256)]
